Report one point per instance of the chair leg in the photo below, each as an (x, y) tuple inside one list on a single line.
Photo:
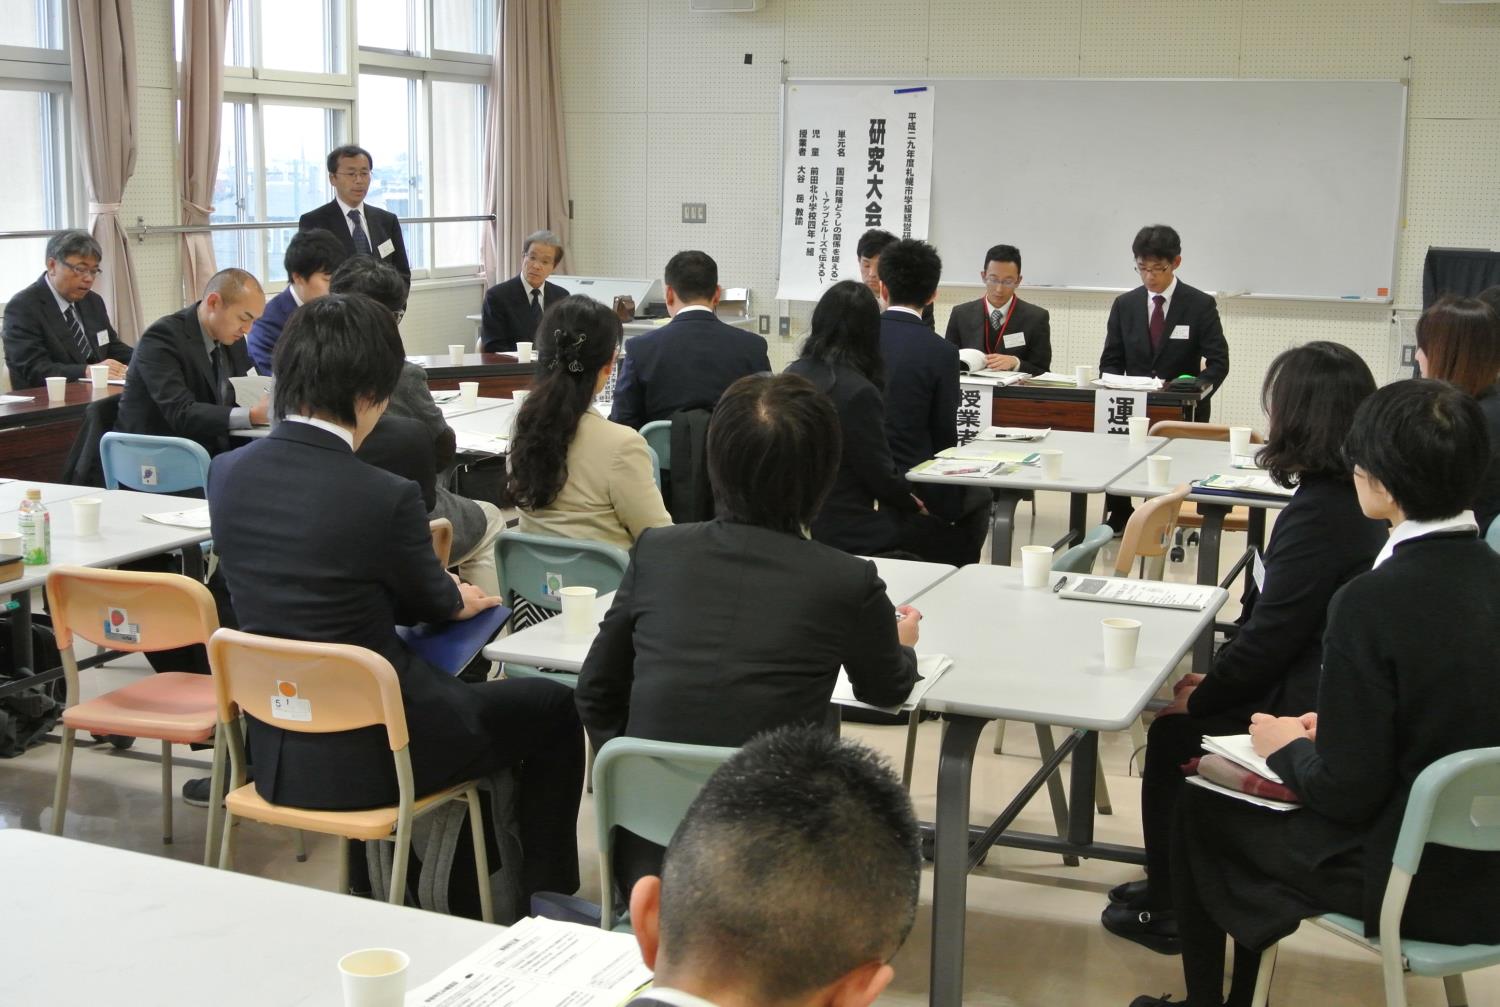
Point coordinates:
[(226, 842), (64, 777), (1395, 980), (398, 862), (481, 855), (299, 840), (343, 858), (1263, 977), (166, 793), (1101, 789), (1137, 742), (215, 798), (907, 764), (588, 765), (999, 736), (1453, 989)]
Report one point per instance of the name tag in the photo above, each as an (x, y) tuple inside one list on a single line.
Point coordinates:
[(387, 247), (1260, 572), (102, 337), (1180, 332), (1014, 339)]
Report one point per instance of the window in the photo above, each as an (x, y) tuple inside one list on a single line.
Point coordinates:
[(32, 24), (457, 170), (305, 36), (442, 28)]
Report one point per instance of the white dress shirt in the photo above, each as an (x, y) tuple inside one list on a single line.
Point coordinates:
[(695, 307), (364, 221), (676, 998), (1408, 530), (1166, 304), (910, 311), (343, 433)]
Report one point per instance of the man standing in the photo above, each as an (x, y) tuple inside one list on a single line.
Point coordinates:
[(363, 229), (311, 257), (871, 244), (687, 363), (178, 384), (58, 326), (1012, 335), (513, 308)]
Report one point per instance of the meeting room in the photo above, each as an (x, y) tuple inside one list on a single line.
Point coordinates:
[(713, 503)]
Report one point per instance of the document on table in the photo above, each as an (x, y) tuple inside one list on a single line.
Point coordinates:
[(251, 388), (1126, 382), (448, 396), (970, 468), (541, 963), (11, 400), (1052, 379), (929, 666), (994, 451), (195, 518), (1259, 802), (1012, 433), (1259, 484), (1153, 593), (1002, 378), (479, 443)]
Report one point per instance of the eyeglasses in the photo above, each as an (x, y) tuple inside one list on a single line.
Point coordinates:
[(358, 175), (82, 271), (990, 281), (400, 314), (1145, 270)]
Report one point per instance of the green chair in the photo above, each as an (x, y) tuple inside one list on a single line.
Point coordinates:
[(1454, 802), (1493, 535), (1080, 558), (646, 787), (527, 563), (655, 466), (658, 434)]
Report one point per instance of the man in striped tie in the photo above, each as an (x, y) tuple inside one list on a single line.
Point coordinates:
[(58, 326)]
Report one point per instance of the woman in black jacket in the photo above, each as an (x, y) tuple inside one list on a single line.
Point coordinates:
[(1408, 677), (1458, 341), (1320, 542)]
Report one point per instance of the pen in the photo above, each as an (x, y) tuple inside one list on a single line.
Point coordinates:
[(1061, 583)]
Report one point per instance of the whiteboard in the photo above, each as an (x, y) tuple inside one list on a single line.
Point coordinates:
[(1286, 189)]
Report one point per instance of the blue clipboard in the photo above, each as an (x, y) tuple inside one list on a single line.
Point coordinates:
[(450, 646)]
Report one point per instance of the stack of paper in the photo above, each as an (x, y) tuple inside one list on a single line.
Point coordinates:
[(1125, 382), (479, 443), (15, 400), (195, 518), (993, 451), (1239, 749), (1241, 485), (1123, 591), (1051, 379), (1001, 378), (250, 388), (973, 468), (930, 668), (1012, 433)]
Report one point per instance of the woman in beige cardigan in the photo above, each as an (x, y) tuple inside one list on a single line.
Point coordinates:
[(573, 473)]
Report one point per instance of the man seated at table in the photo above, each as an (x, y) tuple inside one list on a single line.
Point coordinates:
[(512, 309), (687, 363), (792, 880), (871, 244), (178, 383), (1012, 335), (58, 326), (310, 259)]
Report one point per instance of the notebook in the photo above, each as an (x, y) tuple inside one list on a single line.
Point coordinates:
[(930, 668), (1122, 591), (1257, 485), (450, 646)]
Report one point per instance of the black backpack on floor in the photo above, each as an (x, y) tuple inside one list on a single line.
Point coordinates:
[(27, 716)]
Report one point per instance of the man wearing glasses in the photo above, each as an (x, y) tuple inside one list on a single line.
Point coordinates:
[(364, 230), (1012, 335), (58, 326)]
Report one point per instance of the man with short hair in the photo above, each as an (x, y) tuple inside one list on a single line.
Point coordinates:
[(58, 326), (178, 383), (362, 229), (1012, 335), (687, 363), (871, 244), (792, 881), (310, 259), (512, 309)]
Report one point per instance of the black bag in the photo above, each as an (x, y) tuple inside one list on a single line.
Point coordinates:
[(690, 495), (26, 717)]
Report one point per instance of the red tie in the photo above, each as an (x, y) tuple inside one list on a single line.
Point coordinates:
[(1158, 322)]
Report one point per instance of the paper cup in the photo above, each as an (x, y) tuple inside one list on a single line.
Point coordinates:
[(1036, 563), (578, 612), (468, 394), (1140, 427), (523, 353), (99, 375), (1159, 470), (518, 397), (11, 544), (1239, 441), (1120, 639), (86, 516), (1051, 463), (456, 353), (374, 977), (57, 389), (1084, 375)]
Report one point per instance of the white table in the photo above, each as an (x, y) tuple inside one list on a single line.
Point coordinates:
[(193, 935), (1090, 462), (451, 410), (1026, 654), (13, 491)]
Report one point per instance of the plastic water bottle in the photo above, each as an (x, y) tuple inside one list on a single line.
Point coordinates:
[(36, 529)]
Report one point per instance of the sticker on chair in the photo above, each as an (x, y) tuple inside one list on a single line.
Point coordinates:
[(286, 704), (554, 584), (119, 628), (148, 475)]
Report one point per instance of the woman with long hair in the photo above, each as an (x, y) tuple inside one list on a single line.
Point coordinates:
[(1458, 341)]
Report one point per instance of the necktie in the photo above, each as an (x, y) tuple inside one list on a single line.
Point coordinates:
[(222, 386), (1158, 322), (361, 239), (997, 318), (79, 336), (536, 305)]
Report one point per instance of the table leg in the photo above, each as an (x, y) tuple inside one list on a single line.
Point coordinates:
[(1047, 747), (1002, 526), (950, 875), (1257, 528), (1078, 516), (1085, 769), (1208, 573)]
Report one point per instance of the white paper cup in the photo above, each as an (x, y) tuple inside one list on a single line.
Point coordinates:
[(1051, 463), (1159, 470), (578, 612), (11, 544), (523, 353), (468, 394), (1084, 375), (57, 389), (519, 396), (99, 375), (86, 516), (1239, 441), (1140, 428), (1036, 563), (374, 977), (456, 353), (1120, 639)]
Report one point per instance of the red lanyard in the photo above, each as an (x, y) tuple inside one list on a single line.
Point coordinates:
[(1000, 335)]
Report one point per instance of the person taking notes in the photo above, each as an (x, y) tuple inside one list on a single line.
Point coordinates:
[(1012, 335)]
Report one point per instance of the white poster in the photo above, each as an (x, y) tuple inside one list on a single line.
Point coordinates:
[(975, 406), (855, 156), (1113, 409)]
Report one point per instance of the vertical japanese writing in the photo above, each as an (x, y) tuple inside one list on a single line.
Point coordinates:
[(875, 173), (969, 420), (911, 173)]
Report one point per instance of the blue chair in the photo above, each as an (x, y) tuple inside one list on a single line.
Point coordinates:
[(1080, 558), (153, 464), (646, 787), (1454, 802), (528, 564), (658, 434), (655, 466), (1493, 535)]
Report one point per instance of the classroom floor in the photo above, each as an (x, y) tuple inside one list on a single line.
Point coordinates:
[(1034, 937)]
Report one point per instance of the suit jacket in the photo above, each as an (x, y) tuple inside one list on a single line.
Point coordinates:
[(317, 545), (170, 389), (381, 225), (1488, 503), (921, 401), (266, 330), (1127, 340), (722, 631), (1321, 541), (685, 364), (402, 447), (506, 317), (849, 519), (39, 344), (966, 331)]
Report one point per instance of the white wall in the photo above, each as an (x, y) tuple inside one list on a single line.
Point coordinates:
[(661, 109)]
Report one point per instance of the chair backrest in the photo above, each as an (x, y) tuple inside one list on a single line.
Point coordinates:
[(655, 466), (153, 464), (442, 538), (1453, 802), (534, 567), (1149, 530), (658, 434), (129, 610), (1184, 430), (312, 688), (1492, 536), (1080, 558)]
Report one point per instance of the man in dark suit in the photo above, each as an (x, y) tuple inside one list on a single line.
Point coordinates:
[(58, 326), (178, 383), (512, 309), (687, 363), (310, 259), (361, 228), (792, 879), (871, 244), (1012, 335)]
